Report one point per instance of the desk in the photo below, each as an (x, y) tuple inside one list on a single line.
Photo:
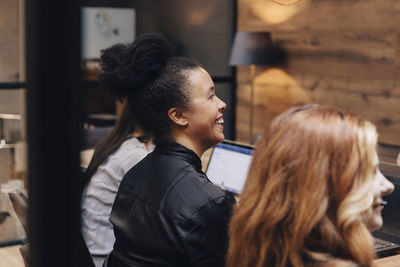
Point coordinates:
[(11, 230), (10, 257), (392, 261)]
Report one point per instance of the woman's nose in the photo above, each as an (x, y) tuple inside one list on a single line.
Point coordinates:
[(221, 104), (386, 185)]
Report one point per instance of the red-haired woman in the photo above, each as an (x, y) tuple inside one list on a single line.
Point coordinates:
[(313, 193)]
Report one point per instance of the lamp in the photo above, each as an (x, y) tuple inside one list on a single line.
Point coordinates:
[(252, 48)]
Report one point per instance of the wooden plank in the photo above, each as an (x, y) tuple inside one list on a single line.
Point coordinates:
[(350, 59), (271, 99)]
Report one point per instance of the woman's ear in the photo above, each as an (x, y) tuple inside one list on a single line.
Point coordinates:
[(177, 116)]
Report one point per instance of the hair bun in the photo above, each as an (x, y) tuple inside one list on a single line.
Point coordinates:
[(111, 62), (127, 68)]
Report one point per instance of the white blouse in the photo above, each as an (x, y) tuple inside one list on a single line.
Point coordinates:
[(99, 195)]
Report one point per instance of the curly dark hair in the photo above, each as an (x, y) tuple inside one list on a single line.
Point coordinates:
[(152, 78)]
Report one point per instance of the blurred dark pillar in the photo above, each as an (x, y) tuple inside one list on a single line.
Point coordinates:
[(53, 115)]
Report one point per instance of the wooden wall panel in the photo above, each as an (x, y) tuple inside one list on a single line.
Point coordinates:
[(9, 60), (341, 53)]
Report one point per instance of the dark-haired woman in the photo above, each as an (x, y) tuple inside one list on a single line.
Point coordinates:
[(167, 213), (125, 146)]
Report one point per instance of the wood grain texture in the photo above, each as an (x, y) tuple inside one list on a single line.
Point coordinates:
[(341, 53), (392, 261), (9, 50)]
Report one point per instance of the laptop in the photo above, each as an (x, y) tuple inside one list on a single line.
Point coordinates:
[(228, 165), (387, 238)]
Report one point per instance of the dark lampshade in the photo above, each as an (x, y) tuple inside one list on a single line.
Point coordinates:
[(251, 48)]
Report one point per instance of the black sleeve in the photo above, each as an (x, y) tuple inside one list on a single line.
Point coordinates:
[(206, 239)]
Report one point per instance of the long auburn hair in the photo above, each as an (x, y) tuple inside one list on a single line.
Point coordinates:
[(307, 190)]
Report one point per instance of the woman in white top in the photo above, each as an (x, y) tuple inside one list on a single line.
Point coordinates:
[(123, 148)]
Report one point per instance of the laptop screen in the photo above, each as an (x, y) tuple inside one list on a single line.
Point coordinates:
[(229, 164), (391, 212)]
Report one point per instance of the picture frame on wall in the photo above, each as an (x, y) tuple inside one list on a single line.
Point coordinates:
[(103, 27)]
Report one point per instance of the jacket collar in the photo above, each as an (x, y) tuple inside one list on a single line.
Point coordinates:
[(180, 151)]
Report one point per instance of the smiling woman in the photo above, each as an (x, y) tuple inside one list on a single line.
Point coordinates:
[(312, 194), (167, 212)]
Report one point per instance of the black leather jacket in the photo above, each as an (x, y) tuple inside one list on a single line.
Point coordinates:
[(167, 213)]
